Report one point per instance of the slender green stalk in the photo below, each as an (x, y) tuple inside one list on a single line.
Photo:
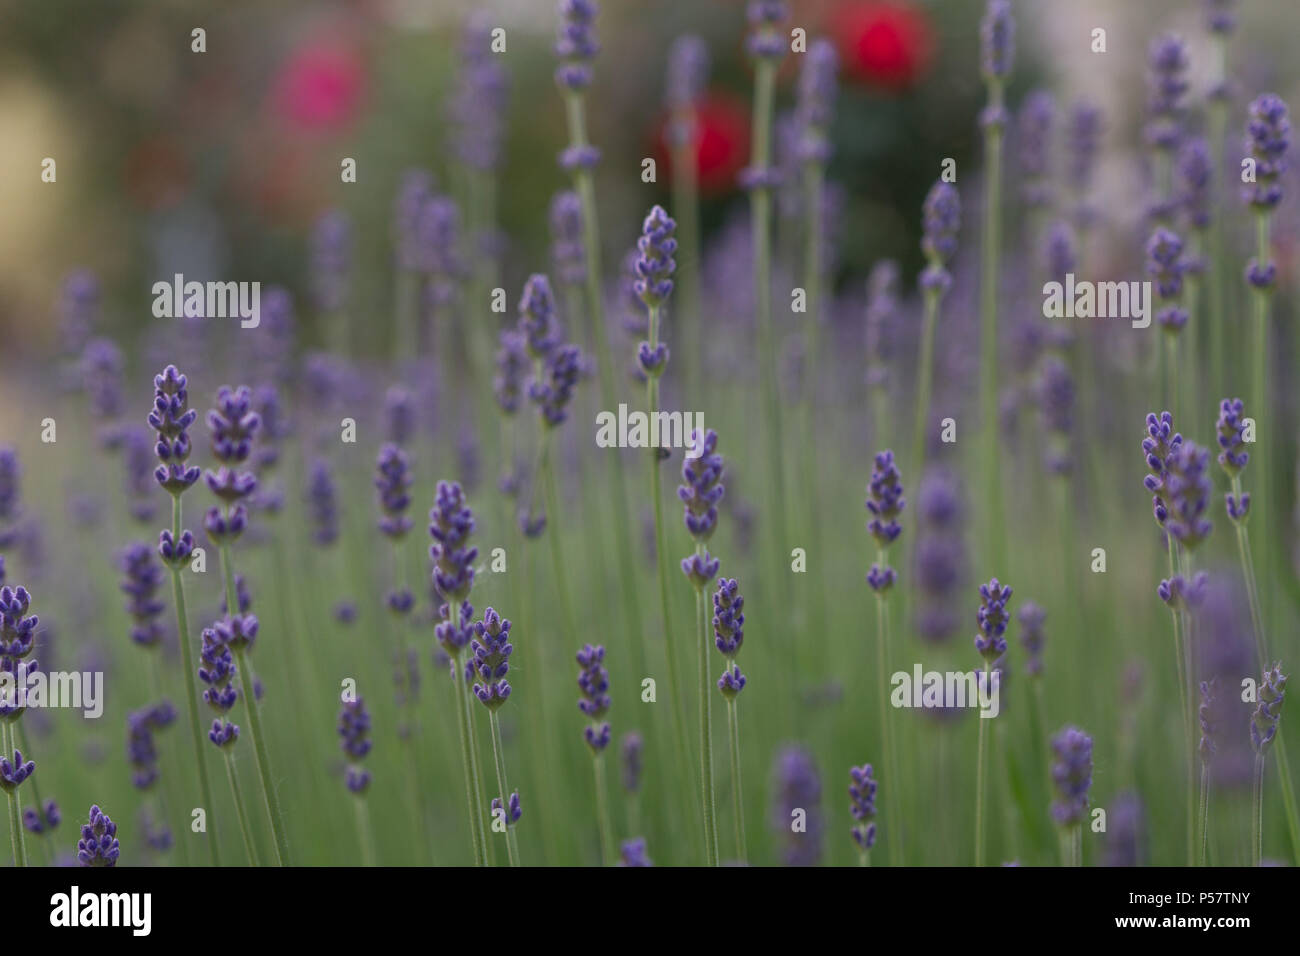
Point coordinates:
[(498, 749), (706, 732), (20, 743), (602, 809), (733, 722), (585, 187), (1257, 813), (981, 775), (886, 719), (1267, 461), (1205, 813), (760, 200), (989, 260), (365, 835), (686, 207), (191, 695), (553, 519), (466, 757), (1189, 746), (255, 722), (925, 379), (15, 813), (864, 858), (241, 811), (1218, 125)]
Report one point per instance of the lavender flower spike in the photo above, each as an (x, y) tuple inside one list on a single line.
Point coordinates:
[(393, 480), (797, 786), (1271, 696), (1268, 136), (1233, 456), (1189, 490), (765, 17), (992, 618), (568, 251), (553, 391), (862, 805), (575, 44), (354, 734), (593, 681), (1158, 447), (1167, 265), (171, 417), (1031, 618), (702, 488), (1208, 716), (491, 646), (537, 317), (885, 500), (1166, 86), (941, 219), (140, 584), (451, 524), (997, 40), (633, 853), (98, 845), (817, 89), (1071, 775)]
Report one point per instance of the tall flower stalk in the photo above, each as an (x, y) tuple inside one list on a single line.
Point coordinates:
[(767, 46), (941, 219), (593, 681), (728, 636), (450, 525), (997, 36), (885, 502), (17, 639), (991, 644), (1271, 694), (354, 734), (232, 425), (576, 46), (1206, 712), (217, 671), (862, 805), (1072, 777), (171, 417), (700, 492), (491, 648)]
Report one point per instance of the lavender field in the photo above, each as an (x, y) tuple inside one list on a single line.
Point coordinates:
[(834, 432)]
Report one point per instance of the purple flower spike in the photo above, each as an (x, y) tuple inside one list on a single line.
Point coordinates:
[(13, 773), (633, 853), (1166, 265), (997, 40), (654, 264), (702, 488), (885, 500), (140, 584), (1189, 490), (1272, 694), (354, 733), (553, 392), (1031, 618), (568, 250), (862, 804), (223, 734), (512, 366), (728, 618), (17, 628), (1195, 171), (732, 682), (992, 618), (322, 504), (176, 553), (1207, 711), (537, 317), (1221, 16), (98, 845), (491, 647), (765, 17), (1180, 594), (451, 524), (218, 671), (40, 821), (575, 44), (817, 90), (171, 417), (393, 480), (700, 569), (1071, 775), (940, 219), (233, 424), (1268, 136), (1231, 426), (1034, 141), (593, 681), (1166, 86), (881, 579), (1056, 402), (331, 260), (1158, 447), (399, 415), (511, 812), (797, 787), (479, 104), (222, 529)]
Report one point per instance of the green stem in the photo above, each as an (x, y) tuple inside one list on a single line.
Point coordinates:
[(1189, 748), (733, 720), (188, 676), (886, 721), (981, 773), (365, 835), (924, 381), (240, 810), (15, 813), (1265, 453), (466, 757), (706, 734), (1257, 813), (503, 788), (602, 809), (992, 238), (553, 533), (255, 721), (1205, 814)]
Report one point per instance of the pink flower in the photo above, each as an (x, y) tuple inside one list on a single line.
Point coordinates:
[(321, 87)]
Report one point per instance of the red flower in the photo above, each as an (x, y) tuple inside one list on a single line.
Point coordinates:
[(721, 142), (321, 87), (886, 44)]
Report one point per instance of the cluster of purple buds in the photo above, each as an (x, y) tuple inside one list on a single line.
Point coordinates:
[(171, 417), (510, 812), (885, 502), (393, 481), (1207, 712), (797, 786), (142, 578), (940, 220), (568, 249), (553, 391), (1181, 594), (687, 75), (1166, 265), (1189, 489), (512, 367), (98, 845), (992, 618), (765, 18), (575, 44), (881, 319), (729, 634), (414, 190), (862, 804), (593, 681), (1084, 144), (1268, 136), (632, 747), (233, 425), (331, 260), (1033, 140), (1271, 696), (217, 669), (137, 469), (41, 820), (537, 323), (702, 488), (176, 553), (450, 524), (1166, 86), (479, 103), (1031, 618), (997, 41), (817, 90), (1056, 403), (491, 648), (1071, 775), (399, 415), (940, 555), (354, 731), (1233, 456), (101, 374), (1195, 171), (633, 853), (17, 627), (140, 750), (1158, 447), (14, 772), (654, 269), (78, 309), (454, 637), (322, 503)]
